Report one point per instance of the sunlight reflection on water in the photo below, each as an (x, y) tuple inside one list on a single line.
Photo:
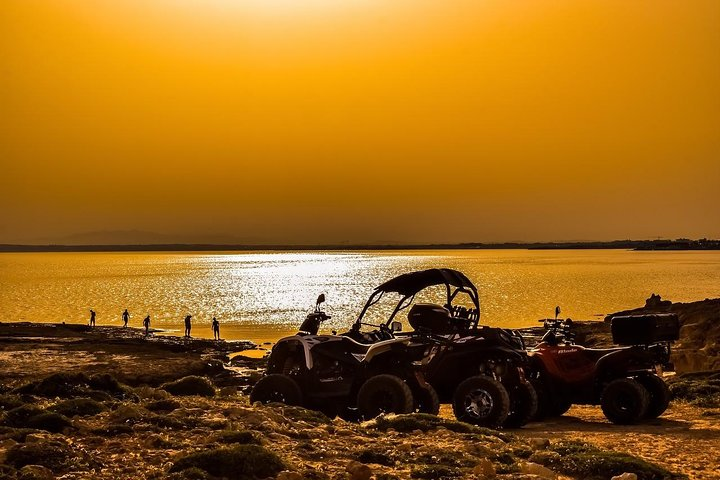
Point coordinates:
[(250, 292)]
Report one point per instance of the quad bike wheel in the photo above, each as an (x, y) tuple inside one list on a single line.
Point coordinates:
[(481, 401), (624, 401), (549, 404), (426, 400), (659, 395), (523, 405), (384, 394), (277, 388), (559, 407)]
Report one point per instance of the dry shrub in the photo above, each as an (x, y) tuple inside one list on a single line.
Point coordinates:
[(240, 462), (192, 385)]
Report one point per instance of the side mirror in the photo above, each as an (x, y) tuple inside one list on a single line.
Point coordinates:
[(320, 299), (396, 326)]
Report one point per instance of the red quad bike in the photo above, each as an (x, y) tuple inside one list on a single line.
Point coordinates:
[(623, 380)]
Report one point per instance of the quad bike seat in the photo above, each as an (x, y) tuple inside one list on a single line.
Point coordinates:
[(433, 317), (598, 353)]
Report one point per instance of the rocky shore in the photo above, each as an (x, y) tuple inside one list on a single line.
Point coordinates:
[(107, 403)]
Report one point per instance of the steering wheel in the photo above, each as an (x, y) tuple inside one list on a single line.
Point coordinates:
[(385, 333)]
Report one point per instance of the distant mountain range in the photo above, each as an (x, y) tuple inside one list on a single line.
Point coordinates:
[(145, 241)]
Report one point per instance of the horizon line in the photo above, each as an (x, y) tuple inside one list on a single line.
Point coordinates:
[(656, 244)]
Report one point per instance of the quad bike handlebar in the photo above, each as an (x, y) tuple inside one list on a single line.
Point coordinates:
[(558, 331)]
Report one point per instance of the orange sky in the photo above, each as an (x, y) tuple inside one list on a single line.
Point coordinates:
[(295, 121)]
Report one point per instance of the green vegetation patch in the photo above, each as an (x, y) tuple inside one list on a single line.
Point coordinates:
[(165, 405), (370, 455), (9, 401), (244, 437), (56, 456), (49, 421), (700, 388), (582, 460), (191, 385), (426, 422), (18, 417), (436, 472), (302, 414), (30, 416), (17, 434), (71, 385), (83, 407), (240, 462)]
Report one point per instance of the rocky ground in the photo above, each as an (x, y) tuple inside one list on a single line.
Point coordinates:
[(108, 403)]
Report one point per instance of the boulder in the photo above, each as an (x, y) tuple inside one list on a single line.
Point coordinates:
[(35, 472), (537, 469), (625, 476), (539, 443), (484, 468), (358, 471), (288, 475)]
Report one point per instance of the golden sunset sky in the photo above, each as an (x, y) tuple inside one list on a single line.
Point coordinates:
[(296, 121)]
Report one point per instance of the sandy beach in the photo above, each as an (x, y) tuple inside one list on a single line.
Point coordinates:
[(140, 430)]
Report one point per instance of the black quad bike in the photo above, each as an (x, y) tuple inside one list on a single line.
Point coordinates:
[(479, 369), (623, 380), (337, 375)]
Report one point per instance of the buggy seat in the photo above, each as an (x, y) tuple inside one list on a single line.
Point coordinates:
[(433, 317)]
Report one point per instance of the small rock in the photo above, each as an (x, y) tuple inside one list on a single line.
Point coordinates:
[(358, 471), (484, 468), (537, 469), (418, 432), (403, 447), (35, 438), (288, 475), (539, 443), (230, 391), (625, 476), (35, 472)]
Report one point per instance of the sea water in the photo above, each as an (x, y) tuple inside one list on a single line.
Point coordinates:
[(264, 295)]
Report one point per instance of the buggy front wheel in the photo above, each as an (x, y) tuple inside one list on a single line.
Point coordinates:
[(276, 388), (384, 394), (481, 401)]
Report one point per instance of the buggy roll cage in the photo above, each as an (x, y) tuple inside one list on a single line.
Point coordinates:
[(409, 284)]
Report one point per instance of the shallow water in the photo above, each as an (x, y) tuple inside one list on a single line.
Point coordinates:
[(263, 296)]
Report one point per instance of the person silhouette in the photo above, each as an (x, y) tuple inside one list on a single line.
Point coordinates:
[(125, 317), (216, 328), (146, 324), (188, 326), (92, 317)]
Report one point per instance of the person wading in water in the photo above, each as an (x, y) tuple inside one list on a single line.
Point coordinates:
[(146, 324), (125, 317), (92, 317)]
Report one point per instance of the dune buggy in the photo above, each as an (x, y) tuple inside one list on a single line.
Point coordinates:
[(338, 375), (479, 369)]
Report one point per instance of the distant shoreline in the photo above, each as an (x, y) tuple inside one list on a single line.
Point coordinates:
[(673, 245)]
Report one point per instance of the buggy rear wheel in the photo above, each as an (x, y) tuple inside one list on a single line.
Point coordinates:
[(523, 405), (384, 394), (277, 388), (481, 401), (624, 401), (659, 395), (426, 400)]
